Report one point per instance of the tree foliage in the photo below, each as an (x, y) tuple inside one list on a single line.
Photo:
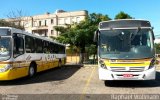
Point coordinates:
[(122, 15), (14, 17), (18, 17), (4, 23), (81, 34), (157, 48)]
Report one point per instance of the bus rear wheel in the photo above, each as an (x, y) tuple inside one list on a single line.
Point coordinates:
[(32, 70)]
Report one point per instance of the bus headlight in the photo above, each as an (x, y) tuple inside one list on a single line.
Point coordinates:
[(153, 62), (102, 64), (7, 67)]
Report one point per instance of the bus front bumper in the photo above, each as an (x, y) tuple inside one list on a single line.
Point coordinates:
[(12, 74), (105, 74), (5, 76)]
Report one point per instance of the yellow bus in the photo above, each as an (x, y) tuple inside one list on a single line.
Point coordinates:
[(24, 54), (126, 50)]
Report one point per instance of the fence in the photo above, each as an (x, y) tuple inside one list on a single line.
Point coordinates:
[(75, 58)]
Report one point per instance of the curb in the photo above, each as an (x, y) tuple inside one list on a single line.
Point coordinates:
[(85, 65), (82, 65)]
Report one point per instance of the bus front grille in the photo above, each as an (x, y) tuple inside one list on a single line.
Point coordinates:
[(127, 69)]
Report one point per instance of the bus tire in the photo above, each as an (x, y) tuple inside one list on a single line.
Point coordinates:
[(108, 83), (32, 70)]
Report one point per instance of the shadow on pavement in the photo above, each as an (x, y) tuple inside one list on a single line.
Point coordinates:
[(135, 84), (55, 74)]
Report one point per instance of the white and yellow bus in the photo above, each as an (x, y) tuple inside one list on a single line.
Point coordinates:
[(25, 54), (126, 50)]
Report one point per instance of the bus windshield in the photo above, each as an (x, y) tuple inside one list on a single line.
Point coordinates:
[(126, 44), (5, 32), (5, 48)]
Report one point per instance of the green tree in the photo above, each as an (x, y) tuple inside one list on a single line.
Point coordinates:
[(157, 48), (123, 15), (18, 16), (14, 17), (81, 34), (9, 24)]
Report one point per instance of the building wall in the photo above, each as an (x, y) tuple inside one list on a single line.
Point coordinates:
[(43, 24)]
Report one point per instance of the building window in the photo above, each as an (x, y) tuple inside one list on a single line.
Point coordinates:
[(34, 23), (72, 20), (52, 32), (52, 21), (40, 23), (78, 19), (26, 24), (45, 22), (66, 21), (61, 21)]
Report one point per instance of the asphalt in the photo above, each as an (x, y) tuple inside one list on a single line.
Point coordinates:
[(76, 82)]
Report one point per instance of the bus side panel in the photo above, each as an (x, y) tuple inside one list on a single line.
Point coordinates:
[(18, 72), (40, 66), (46, 63)]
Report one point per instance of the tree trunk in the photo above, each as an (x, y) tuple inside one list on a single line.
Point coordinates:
[(94, 59), (82, 54)]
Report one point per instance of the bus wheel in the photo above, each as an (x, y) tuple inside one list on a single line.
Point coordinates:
[(108, 83), (32, 70)]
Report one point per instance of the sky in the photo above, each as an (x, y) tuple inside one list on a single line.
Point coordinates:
[(139, 9)]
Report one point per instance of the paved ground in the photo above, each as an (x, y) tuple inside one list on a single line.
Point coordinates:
[(77, 80)]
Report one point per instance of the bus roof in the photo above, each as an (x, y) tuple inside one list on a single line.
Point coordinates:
[(124, 23), (14, 30)]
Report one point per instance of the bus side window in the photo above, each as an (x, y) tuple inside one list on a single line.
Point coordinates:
[(38, 46), (45, 47), (56, 48), (52, 47), (18, 45), (29, 44)]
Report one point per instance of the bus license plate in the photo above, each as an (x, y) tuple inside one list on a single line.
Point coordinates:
[(127, 75)]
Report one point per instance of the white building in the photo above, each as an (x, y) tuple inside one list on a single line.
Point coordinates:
[(43, 24)]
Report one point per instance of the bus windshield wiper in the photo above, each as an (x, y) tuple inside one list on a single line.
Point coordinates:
[(134, 35)]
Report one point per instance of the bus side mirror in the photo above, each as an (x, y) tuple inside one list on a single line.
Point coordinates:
[(153, 37), (95, 39)]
